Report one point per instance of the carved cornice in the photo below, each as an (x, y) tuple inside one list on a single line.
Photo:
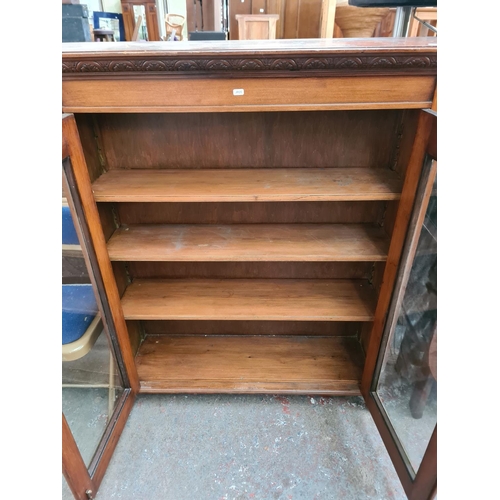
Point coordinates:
[(100, 65)]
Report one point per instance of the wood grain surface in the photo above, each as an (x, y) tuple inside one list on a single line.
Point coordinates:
[(405, 207), (255, 270), (294, 184), (295, 300), (302, 139), (295, 212), (249, 242), (149, 95), (201, 364)]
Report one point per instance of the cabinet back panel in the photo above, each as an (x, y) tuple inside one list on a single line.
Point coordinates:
[(310, 328), (237, 270), (316, 212), (366, 138)]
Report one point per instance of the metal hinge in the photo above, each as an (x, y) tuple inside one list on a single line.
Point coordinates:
[(89, 495)]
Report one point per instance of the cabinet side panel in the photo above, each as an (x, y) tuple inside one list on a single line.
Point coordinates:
[(134, 333), (121, 277), (406, 130), (108, 221), (89, 139), (309, 19), (390, 217)]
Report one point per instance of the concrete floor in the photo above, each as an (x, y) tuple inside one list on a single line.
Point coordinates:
[(230, 447), (86, 408), (86, 411), (414, 434)]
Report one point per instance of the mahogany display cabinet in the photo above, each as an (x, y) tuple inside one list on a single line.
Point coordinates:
[(258, 211)]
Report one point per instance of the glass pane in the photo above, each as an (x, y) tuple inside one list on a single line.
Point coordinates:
[(407, 384), (140, 10), (91, 383)]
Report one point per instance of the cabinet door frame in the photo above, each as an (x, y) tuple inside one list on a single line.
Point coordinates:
[(84, 480), (422, 168)]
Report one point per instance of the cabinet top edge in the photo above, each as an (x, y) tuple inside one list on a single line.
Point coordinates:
[(366, 55), (254, 47)]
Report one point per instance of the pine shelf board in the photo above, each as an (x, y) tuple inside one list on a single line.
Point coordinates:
[(249, 242), (269, 184), (239, 364), (249, 299)]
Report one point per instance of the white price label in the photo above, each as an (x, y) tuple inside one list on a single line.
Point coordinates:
[(238, 91)]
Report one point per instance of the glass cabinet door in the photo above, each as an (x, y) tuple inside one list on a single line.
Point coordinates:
[(403, 391), (91, 383), (96, 391), (407, 382)]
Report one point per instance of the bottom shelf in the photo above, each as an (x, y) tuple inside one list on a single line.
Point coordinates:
[(250, 364)]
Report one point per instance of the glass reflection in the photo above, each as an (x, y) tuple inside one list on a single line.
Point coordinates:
[(140, 17), (90, 381), (407, 384)]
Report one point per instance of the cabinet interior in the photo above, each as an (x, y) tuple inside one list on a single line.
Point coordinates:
[(248, 247)]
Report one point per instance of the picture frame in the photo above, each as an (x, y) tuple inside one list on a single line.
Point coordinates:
[(113, 21)]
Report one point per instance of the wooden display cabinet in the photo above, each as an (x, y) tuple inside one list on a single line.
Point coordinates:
[(248, 203)]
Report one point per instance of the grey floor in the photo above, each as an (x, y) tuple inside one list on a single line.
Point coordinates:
[(86, 411), (230, 447), (414, 434)]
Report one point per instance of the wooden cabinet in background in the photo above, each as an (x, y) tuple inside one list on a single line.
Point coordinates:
[(304, 19), (149, 14), (257, 26), (249, 203)]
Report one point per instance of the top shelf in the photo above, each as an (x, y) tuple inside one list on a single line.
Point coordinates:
[(273, 184)]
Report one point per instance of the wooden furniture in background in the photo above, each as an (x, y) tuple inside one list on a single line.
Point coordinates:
[(304, 19), (327, 17), (204, 15), (151, 19), (257, 26), (174, 23), (427, 14), (101, 35), (358, 22), (252, 201), (135, 34), (386, 25)]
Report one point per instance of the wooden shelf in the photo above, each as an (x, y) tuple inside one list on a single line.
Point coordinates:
[(236, 364), (273, 184), (250, 299), (249, 242)]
